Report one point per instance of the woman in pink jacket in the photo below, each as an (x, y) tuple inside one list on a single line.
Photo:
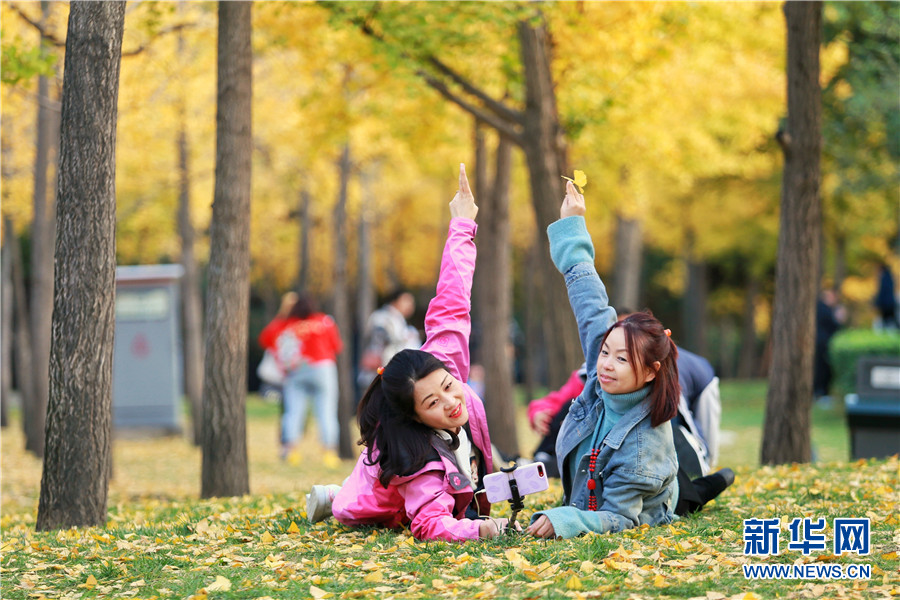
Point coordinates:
[(424, 429)]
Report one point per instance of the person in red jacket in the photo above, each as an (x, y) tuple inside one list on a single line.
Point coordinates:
[(305, 346)]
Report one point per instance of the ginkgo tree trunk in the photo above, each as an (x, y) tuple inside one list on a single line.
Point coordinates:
[(77, 457), (224, 468), (786, 434)]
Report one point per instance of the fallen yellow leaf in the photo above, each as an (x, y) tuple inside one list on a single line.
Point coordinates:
[(293, 528), (319, 593), (266, 538), (374, 577), (573, 583), (221, 584)]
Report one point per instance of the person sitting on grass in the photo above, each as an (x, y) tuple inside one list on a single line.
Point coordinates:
[(424, 429), (615, 449)]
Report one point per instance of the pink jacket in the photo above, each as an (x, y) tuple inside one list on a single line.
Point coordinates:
[(554, 400), (432, 501)]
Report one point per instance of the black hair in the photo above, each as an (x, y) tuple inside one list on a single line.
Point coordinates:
[(387, 418), (303, 307), (395, 293)]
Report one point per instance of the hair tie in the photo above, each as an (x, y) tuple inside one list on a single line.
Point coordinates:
[(379, 370), (668, 332)]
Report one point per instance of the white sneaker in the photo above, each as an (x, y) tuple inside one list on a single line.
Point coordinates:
[(318, 502)]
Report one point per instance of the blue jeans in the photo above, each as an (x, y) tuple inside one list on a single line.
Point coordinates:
[(319, 382)]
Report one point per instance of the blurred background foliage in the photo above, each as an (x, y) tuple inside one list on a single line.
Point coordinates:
[(670, 109)]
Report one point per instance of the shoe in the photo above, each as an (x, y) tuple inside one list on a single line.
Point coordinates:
[(290, 455), (318, 502), (711, 486)]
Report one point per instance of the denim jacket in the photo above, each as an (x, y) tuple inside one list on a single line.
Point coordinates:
[(637, 465)]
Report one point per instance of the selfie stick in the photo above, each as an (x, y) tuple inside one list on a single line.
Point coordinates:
[(515, 503)]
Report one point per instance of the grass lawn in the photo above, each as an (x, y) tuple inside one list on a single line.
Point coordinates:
[(162, 542)]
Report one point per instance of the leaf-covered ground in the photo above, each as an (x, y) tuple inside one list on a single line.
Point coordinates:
[(165, 543)]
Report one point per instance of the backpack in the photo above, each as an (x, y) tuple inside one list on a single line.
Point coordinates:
[(289, 351)]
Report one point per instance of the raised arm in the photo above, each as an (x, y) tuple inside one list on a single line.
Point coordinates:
[(448, 323), (573, 254)]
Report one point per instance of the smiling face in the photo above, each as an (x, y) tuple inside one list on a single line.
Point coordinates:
[(615, 370), (440, 402)]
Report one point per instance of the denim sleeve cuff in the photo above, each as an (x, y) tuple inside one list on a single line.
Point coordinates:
[(570, 243)]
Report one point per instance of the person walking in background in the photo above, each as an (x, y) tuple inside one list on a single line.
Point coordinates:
[(387, 332), (886, 299), (830, 316), (268, 371), (305, 346)]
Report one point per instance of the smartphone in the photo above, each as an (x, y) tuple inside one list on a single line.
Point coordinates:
[(529, 479)]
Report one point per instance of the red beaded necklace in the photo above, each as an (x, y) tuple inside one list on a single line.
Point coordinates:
[(591, 482)]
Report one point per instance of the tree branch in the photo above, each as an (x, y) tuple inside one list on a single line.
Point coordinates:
[(498, 107), (171, 29), (45, 34), (55, 41), (504, 119), (505, 128)]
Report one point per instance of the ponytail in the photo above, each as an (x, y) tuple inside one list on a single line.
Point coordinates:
[(648, 343), (393, 436)]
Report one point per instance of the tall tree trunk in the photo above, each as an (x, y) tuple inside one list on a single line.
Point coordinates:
[(747, 367), (342, 313), (493, 278), (6, 324), (225, 470), (365, 287), (77, 452), (531, 372), (726, 348), (545, 153), (23, 362), (626, 293), (693, 306), (786, 434), (480, 189), (840, 261), (191, 300), (43, 232), (365, 284), (306, 227)]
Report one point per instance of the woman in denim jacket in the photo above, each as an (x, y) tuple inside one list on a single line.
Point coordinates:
[(615, 449)]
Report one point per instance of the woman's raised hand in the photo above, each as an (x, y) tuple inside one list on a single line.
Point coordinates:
[(573, 203), (463, 203)]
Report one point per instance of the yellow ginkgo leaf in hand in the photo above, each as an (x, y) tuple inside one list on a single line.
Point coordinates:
[(580, 180)]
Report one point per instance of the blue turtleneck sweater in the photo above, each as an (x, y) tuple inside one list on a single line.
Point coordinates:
[(613, 407)]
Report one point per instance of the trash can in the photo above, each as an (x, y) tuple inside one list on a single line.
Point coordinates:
[(147, 372), (873, 412)]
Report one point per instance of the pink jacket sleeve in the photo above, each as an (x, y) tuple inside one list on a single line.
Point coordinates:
[(448, 322), (554, 400), (430, 509)]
